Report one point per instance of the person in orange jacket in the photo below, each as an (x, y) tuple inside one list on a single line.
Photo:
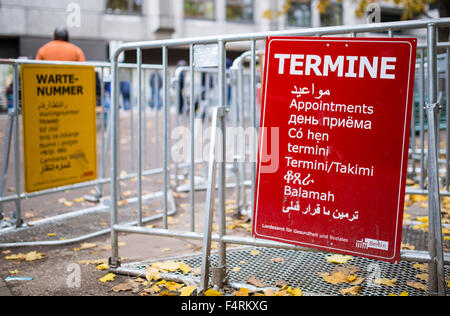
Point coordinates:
[(60, 49)]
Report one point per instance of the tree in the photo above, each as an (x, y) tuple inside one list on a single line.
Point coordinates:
[(411, 9)]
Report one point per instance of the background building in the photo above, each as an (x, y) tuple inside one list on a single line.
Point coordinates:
[(98, 26)]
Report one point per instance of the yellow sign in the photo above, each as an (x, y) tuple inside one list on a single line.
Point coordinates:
[(59, 125)]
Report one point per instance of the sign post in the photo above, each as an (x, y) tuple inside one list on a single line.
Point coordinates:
[(341, 108), (59, 125)]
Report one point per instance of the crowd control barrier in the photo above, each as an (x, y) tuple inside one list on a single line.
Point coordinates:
[(217, 178)]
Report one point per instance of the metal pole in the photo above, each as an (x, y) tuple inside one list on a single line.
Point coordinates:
[(17, 214), (139, 133), (166, 134), (221, 269), (114, 260), (6, 153), (422, 119), (447, 107), (209, 215), (253, 142), (436, 282), (192, 140)]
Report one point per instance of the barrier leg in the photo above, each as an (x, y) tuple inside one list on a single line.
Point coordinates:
[(5, 162), (210, 196), (17, 214), (436, 282)]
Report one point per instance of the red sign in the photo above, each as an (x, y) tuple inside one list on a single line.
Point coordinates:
[(334, 139)]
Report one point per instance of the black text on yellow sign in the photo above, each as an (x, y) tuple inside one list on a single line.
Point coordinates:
[(59, 126)]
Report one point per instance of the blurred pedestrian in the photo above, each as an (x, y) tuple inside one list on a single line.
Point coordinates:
[(156, 84), (60, 49)]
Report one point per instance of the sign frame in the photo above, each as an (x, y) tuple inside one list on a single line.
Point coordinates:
[(257, 230), (75, 82)]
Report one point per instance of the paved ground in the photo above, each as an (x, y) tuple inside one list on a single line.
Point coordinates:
[(65, 271)]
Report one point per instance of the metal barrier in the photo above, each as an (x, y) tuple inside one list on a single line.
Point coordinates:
[(435, 256), (12, 140)]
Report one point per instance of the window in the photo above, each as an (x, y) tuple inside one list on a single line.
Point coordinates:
[(199, 9), (240, 10), (299, 14), (124, 6), (333, 15)]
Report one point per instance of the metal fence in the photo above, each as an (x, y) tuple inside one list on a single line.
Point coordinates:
[(12, 152), (217, 48), (221, 96)]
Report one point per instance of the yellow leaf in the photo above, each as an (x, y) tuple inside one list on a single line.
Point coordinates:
[(169, 266), (384, 281), (102, 267), (187, 290), (417, 285), (422, 276), (212, 292), (295, 292), (110, 277), (236, 269), (14, 272), (284, 291), (242, 292), (337, 277), (404, 293), (154, 289), (33, 256), (339, 259), (354, 290), (184, 267), (254, 252), (173, 286), (19, 256), (152, 274), (51, 235), (422, 267), (85, 246)]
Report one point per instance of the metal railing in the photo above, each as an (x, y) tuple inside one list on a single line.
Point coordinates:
[(435, 256), (12, 144)]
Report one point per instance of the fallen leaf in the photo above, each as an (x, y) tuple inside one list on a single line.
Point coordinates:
[(173, 286), (338, 259), (93, 262), (102, 267), (110, 277), (242, 292), (34, 256), (254, 252), (404, 293), (187, 290), (417, 286), (124, 287), (85, 246), (19, 256), (422, 267), (212, 292), (256, 282), (236, 269), (184, 267), (277, 260), (354, 290), (51, 235), (288, 291), (152, 274), (384, 281), (337, 277), (14, 272), (154, 289), (422, 276)]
